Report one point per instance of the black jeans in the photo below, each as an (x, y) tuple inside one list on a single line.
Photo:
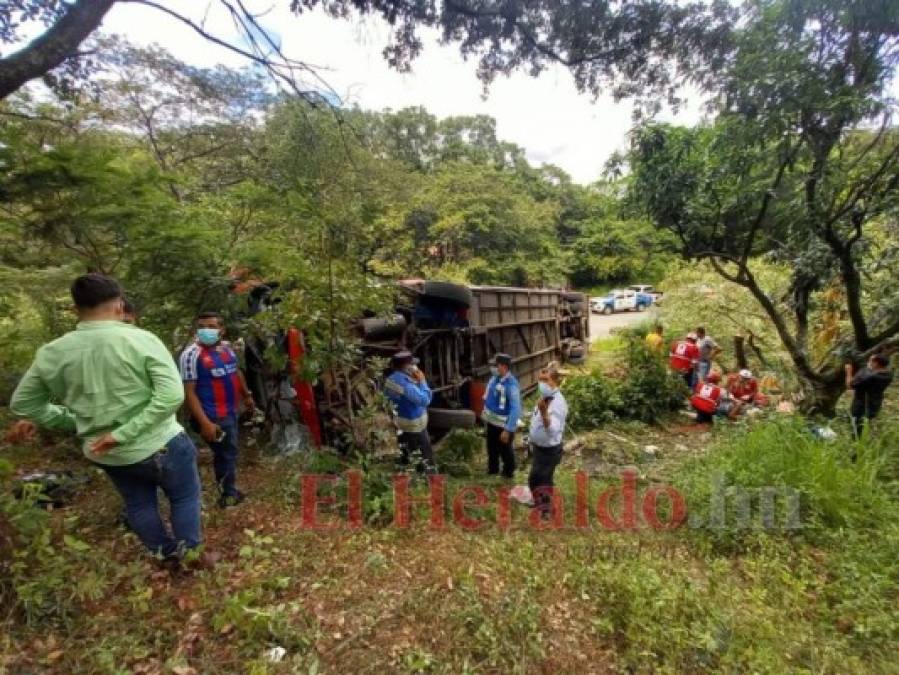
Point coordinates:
[(224, 454), (418, 441), (860, 418), (496, 449), (545, 461)]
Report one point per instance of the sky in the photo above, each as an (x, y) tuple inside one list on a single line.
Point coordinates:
[(545, 115)]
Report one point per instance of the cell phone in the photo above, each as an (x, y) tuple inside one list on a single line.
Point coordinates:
[(220, 436)]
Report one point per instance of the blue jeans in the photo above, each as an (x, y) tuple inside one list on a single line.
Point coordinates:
[(224, 455), (174, 469), (703, 368)]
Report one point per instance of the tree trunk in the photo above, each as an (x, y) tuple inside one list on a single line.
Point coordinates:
[(740, 352), (821, 397), (50, 49)]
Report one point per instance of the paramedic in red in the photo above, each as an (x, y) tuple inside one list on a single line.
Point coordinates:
[(683, 357), (213, 389), (710, 399)]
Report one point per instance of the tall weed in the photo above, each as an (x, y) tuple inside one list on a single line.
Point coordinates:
[(834, 491)]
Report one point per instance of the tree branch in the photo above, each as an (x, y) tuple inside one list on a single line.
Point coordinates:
[(52, 47), (746, 279), (282, 70)]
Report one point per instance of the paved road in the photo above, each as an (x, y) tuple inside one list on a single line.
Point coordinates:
[(601, 324)]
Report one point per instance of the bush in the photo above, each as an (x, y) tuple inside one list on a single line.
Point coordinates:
[(592, 400), (650, 389), (44, 574), (646, 392), (455, 452)]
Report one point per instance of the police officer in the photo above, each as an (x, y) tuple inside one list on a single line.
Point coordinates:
[(410, 394), (502, 408)]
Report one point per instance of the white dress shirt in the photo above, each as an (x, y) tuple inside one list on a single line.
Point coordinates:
[(547, 437)]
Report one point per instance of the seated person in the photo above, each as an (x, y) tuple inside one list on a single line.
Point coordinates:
[(744, 390), (710, 399)]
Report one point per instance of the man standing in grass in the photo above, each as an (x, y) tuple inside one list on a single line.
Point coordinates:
[(214, 387), (408, 391), (502, 408), (868, 385), (117, 387), (708, 352)]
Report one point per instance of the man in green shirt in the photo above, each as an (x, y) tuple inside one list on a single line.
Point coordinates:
[(117, 387)]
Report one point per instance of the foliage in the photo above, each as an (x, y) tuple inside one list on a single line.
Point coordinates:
[(654, 42), (834, 491), (38, 564), (645, 390), (179, 180), (800, 165), (592, 400), (650, 390), (695, 295), (456, 450)]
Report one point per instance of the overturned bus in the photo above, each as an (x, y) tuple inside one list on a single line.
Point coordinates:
[(453, 329)]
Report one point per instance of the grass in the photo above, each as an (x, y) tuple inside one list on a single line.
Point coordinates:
[(493, 601)]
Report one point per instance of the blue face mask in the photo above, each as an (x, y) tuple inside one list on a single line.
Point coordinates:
[(546, 390), (208, 336)]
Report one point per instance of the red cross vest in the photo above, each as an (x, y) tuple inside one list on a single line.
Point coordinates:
[(706, 397), (682, 356)]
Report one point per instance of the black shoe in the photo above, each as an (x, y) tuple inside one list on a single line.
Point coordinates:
[(122, 520), (226, 501)]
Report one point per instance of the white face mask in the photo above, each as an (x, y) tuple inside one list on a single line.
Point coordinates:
[(546, 389), (494, 371)]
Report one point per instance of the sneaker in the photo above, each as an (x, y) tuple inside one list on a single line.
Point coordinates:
[(226, 501), (207, 560)]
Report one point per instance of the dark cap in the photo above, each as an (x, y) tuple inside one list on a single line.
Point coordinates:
[(402, 358), (502, 359)]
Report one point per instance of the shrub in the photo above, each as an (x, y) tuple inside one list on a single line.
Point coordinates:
[(455, 452), (646, 391), (44, 574), (592, 400), (650, 389)]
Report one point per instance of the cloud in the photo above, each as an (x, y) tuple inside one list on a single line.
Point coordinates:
[(545, 115)]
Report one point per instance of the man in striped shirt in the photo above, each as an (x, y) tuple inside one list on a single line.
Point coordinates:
[(214, 386)]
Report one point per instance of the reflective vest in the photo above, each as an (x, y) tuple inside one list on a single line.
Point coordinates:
[(682, 356), (502, 402), (706, 397)]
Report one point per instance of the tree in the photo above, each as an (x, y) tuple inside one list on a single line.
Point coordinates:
[(637, 47), (801, 165)]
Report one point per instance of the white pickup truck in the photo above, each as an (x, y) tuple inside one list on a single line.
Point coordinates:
[(647, 290), (620, 301)]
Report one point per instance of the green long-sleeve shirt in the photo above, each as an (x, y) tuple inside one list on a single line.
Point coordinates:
[(105, 376)]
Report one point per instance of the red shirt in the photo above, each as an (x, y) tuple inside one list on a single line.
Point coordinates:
[(743, 389)]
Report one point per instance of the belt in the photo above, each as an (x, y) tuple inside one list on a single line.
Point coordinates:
[(412, 425), (557, 446), (494, 418)]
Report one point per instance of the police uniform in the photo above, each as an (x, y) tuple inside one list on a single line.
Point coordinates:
[(410, 399), (502, 408)]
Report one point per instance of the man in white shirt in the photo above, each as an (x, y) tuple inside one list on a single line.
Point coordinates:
[(547, 428), (708, 352)]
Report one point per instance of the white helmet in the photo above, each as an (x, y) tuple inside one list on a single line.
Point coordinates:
[(746, 374)]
